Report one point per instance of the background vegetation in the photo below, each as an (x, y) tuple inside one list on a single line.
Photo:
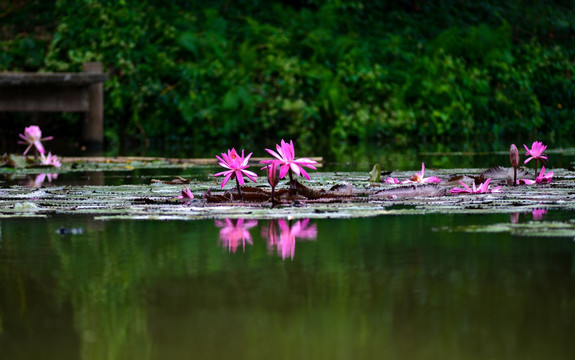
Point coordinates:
[(240, 72)]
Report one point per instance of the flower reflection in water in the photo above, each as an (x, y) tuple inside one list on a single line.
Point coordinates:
[(514, 218), (282, 235), (538, 213), (40, 178), (233, 232)]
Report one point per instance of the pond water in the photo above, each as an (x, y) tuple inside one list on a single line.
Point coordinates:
[(387, 287), (432, 286)]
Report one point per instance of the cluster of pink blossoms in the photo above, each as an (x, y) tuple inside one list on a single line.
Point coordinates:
[(536, 152), (237, 165), (419, 178), (283, 164), (33, 138)]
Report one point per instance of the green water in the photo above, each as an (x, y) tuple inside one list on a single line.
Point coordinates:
[(392, 287)]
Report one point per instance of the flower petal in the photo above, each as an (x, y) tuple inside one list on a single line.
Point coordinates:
[(432, 179), (226, 178), (239, 177), (283, 170), (295, 168), (304, 173), (250, 175), (274, 154)]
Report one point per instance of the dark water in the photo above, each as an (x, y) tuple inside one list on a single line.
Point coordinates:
[(392, 287)]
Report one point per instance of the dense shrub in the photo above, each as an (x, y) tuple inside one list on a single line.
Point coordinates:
[(321, 71)]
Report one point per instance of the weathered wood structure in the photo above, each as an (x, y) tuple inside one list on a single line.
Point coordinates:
[(59, 92)]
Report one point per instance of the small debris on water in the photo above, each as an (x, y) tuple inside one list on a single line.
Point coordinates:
[(69, 231)]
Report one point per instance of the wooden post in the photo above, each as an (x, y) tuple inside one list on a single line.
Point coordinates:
[(93, 132)]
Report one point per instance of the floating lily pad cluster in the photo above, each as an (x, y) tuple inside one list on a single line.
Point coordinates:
[(284, 163), (324, 195)]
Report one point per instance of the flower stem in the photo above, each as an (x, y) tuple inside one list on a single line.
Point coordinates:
[(514, 176), (536, 168), (292, 185), (273, 194), (239, 189)]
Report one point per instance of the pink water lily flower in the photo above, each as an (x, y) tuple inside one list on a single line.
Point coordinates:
[(51, 160), (33, 137), (285, 157), (391, 180), (418, 177), (234, 233), (186, 194), (483, 188), (236, 166), (536, 152), (542, 178)]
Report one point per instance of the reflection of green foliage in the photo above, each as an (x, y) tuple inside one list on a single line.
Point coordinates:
[(365, 287), (105, 278), (103, 289)]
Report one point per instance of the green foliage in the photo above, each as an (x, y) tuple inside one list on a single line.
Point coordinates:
[(323, 71)]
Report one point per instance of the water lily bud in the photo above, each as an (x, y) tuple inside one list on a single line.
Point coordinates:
[(273, 174), (514, 156)]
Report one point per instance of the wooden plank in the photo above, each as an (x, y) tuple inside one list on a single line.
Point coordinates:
[(93, 130), (59, 92), (11, 79), (50, 99)]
